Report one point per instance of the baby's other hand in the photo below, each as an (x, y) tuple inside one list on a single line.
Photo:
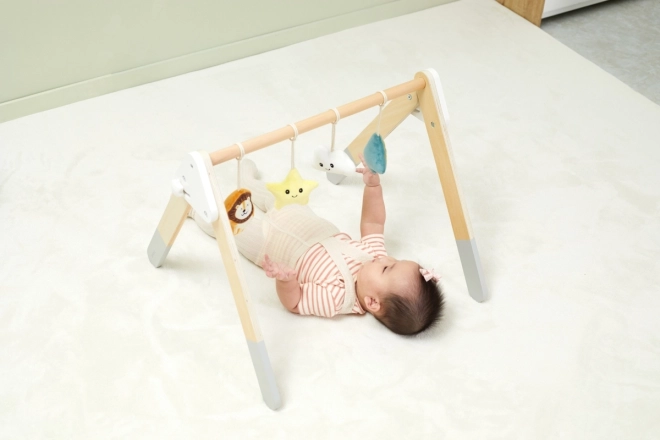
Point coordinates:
[(368, 177), (278, 271)]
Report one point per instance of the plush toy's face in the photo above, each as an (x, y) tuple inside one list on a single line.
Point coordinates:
[(336, 161), (325, 166), (293, 193), (293, 189), (239, 205), (243, 210)]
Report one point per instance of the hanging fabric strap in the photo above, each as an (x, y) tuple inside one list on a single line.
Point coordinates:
[(239, 159), (293, 142), (334, 126), (380, 110), (337, 248)]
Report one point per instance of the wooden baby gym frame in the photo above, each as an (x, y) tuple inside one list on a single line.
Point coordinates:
[(195, 187)]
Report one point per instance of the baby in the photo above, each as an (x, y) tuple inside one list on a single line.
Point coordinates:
[(311, 261)]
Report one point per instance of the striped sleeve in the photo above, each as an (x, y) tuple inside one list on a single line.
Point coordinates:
[(375, 244), (320, 299)]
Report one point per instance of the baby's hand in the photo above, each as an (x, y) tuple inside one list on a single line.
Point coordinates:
[(369, 177), (278, 271)]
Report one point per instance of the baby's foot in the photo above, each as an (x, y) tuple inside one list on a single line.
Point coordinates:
[(249, 169), (203, 225), (261, 197)]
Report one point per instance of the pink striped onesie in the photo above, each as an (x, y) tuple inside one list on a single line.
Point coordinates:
[(321, 282)]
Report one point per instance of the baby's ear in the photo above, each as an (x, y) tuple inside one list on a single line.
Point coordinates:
[(373, 304)]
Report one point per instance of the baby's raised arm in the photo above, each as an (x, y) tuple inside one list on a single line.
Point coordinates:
[(373, 205)]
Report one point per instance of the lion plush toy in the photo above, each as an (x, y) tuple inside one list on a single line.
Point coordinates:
[(239, 209)]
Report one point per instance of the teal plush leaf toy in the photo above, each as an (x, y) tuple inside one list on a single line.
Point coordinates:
[(375, 154)]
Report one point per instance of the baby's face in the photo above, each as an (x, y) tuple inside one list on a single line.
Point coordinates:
[(387, 276)]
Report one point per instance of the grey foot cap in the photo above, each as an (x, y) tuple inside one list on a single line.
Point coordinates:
[(474, 276), (265, 374), (157, 250)]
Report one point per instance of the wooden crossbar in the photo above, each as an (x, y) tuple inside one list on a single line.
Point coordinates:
[(314, 122)]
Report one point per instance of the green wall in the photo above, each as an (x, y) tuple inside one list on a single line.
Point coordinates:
[(54, 52)]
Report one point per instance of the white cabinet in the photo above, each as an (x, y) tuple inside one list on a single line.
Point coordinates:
[(554, 7)]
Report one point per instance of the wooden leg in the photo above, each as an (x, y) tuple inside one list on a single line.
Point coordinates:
[(393, 114), (167, 230), (429, 102), (530, 10), (230, 257)]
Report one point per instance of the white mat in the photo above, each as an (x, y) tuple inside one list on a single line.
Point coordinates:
[(558, 162)]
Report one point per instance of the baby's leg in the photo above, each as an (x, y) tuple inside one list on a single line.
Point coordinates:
[(251, 242), (261, 197)]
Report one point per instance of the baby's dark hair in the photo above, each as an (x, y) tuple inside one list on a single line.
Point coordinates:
[(410, 316)]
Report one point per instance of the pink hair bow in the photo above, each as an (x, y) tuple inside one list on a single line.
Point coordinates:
[(429, 275)]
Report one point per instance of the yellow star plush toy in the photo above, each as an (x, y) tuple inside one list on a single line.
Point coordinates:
[(293, 189)]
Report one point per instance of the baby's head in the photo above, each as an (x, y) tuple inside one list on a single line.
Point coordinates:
[(396, 293)]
